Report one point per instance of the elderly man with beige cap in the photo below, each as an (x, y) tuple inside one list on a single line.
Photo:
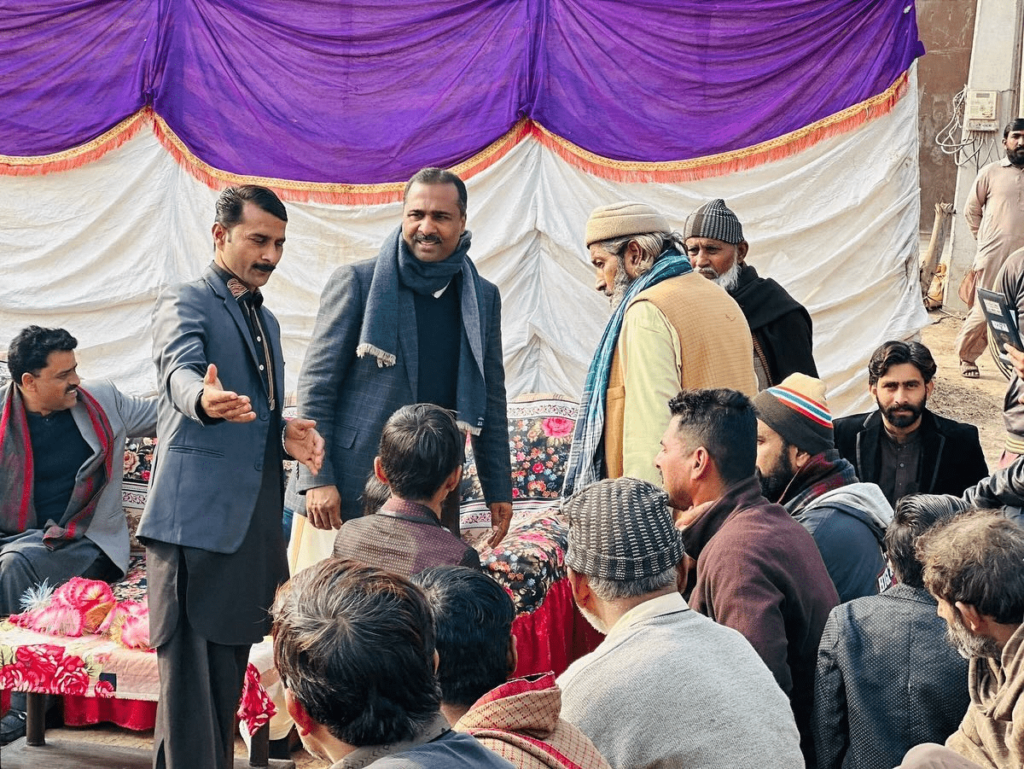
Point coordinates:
[(670, 330)]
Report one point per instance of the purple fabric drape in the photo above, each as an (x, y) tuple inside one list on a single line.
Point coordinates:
[(368, 91)]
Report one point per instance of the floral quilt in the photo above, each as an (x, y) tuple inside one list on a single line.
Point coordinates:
[(539, 434), (529, 560)]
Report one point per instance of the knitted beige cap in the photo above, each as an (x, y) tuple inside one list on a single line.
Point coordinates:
[(621, 529), (621, 219)]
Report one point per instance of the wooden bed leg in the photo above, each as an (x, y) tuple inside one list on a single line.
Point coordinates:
[(259, 750), (35, 721)]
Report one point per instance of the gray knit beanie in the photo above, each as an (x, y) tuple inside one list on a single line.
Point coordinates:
[(714, 220), (621, 529)]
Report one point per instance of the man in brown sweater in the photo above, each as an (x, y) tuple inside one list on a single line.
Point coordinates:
[(972, 567), (758, 571)]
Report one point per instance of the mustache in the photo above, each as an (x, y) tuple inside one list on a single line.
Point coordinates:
[(267, 268), (427, 239)]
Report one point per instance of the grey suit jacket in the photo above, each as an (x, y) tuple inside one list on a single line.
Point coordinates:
[(206, 477), (129, 417), (886, 680), (351, 398)]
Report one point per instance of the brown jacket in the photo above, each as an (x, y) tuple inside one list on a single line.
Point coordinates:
[(759, 572)]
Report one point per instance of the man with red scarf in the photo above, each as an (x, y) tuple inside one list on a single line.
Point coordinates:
[(61, 464)]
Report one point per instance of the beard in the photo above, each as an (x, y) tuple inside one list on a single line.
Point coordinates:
[(595, 622), (623, 281), (774, 484), (1016, 157), (911, 412), (969, 645), (729, 279)]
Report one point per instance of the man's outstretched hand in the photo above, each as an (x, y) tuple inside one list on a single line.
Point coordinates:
[(501, 518), (304, 443), (219, 403)]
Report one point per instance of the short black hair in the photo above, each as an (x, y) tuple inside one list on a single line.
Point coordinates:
[(473, 618), (374, 495), (32, 346), (725, 424), (232, 202), (1017, 124), (439, 176), (421, 445), (354, 645), (894, 353), (915, 514)]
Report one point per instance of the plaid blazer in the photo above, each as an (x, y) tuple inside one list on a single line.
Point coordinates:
[(351, 398)]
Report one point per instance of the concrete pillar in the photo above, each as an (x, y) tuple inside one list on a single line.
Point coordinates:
[(995, 66)]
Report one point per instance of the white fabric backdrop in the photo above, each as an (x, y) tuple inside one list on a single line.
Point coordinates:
[(837, 225)]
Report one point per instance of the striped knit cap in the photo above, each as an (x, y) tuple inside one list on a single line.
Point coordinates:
[(797, 410), (621, 529), (714, 220)]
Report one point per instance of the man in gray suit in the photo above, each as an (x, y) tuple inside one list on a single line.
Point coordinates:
[(61, 465), (212, 523), (417, 324)]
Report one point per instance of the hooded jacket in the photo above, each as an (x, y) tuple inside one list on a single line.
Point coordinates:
[(848, 525), (992, 732)]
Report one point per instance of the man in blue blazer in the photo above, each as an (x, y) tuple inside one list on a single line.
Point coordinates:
[(417, 324), (212, 523)]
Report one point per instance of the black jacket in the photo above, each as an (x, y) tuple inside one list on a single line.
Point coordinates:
[(951, 457), (779, 324)]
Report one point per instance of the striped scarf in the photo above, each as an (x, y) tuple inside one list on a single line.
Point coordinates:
[(585, 464), (17, 511), (822, 473)]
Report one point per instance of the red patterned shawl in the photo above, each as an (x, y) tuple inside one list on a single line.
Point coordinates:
[(17, 511)]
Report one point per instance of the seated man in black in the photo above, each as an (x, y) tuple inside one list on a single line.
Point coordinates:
[(904, 447), (420, 459), (355, 649)]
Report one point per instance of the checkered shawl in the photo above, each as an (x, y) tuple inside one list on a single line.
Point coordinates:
[(520, 721), (585, 460), (17, 511), (823, 473)]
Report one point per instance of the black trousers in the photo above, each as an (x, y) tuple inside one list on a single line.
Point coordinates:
[(206, 611), (200, 684)]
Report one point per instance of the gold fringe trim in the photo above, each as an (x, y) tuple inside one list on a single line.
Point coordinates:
[(32, 165), (390, 192), (727, 162)]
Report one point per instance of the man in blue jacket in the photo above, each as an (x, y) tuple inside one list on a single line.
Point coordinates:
[(212, 523), (801, 470)]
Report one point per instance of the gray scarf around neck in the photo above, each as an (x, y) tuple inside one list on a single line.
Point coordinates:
[(397, 268)]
